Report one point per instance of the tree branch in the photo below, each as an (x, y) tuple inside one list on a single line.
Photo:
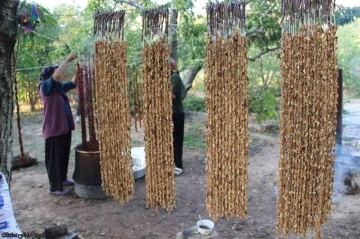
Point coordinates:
[(250, 1), (263, 53), (271, 8), (130, 2), (253, 31), (262, 72)]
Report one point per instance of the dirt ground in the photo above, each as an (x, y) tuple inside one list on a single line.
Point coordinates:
[(35, 209)]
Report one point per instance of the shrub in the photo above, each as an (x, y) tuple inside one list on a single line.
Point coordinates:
[(194, 103)]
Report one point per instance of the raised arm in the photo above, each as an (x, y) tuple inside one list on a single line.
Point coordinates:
[(62, 68)]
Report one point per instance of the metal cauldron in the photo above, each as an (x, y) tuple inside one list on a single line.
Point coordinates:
[(87, 174)]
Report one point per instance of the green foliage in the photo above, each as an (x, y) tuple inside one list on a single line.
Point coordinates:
[(75, 33), (194, 137), (263, 28), (199, 83), (264, 16), (263, 102), (345, 102), (265, 71), (44, 17), (133, 33), (192, 40), (72, 31), (349, 55), (34, 51), (194, 103), (346, 15), (264, 86), (100, 5), (184, 5)]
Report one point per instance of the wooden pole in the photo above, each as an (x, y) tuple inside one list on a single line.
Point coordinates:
[(338, 139), (81, 85)]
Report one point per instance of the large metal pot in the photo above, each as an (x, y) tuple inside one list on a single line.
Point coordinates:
[(87, 174)]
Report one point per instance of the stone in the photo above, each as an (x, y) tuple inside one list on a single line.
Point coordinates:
[(69, 236), (73, 235), (55, 232), (28, 161), (272, 127), (193, 233), (355, 179), (352, 181)]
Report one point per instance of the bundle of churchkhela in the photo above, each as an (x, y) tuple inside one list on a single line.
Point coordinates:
[(308, 115), (157, 110), (112, 105), (227, 111), (85, 79)]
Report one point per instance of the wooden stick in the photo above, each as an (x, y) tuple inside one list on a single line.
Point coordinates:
[(90, 108), (139, 97), (81, 84), (133, 84)]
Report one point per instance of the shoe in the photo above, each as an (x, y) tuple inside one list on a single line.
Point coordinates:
[(178, 171), (68, 183), (63, 192), (77, 119)]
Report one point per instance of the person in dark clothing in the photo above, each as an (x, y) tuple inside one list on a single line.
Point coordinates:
[(57, 124), (178, 117)]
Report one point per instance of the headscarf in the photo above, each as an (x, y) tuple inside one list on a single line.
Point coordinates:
[(173, 64), (46, 73)]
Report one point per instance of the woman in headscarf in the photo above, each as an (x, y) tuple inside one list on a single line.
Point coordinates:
[(57, 124), (178, 117)]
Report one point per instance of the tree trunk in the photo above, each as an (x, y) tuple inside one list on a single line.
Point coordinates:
[(32, 101), (172, 32), (8, 32), (188, 76)]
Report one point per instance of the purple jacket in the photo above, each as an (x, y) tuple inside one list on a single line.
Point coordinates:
[(57, 120)]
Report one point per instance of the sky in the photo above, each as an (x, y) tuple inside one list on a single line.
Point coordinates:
[(199, 4)]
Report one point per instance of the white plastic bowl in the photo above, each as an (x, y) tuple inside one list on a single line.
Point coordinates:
[(138, 167), (139, 163), (209, 224)]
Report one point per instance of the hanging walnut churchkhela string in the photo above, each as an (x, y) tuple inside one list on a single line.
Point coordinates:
[(112, 105), (227, 111), (308, 116), (157, 110)]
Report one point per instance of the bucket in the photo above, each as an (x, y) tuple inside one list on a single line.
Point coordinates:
[(87, 174), (205, 227)]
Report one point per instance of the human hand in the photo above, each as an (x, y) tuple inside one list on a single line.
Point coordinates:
[(71, 57), (173, 96)]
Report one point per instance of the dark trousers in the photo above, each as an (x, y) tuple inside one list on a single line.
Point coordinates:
[(178, 135), (57, 154)]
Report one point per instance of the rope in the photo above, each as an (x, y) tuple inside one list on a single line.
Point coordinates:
[(15, 56), (52, 39), (127, 12)]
